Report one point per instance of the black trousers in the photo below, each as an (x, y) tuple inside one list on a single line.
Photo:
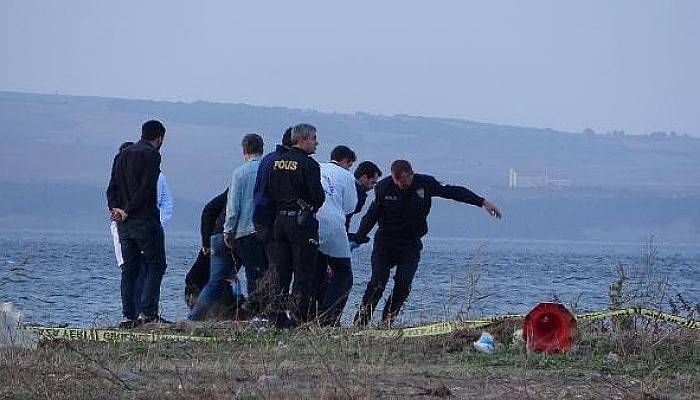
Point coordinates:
[(293, 253), (336, 274), (387, 254), (251, 253), (142, 239)]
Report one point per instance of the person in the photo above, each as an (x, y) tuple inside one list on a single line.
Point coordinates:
[(217, 296), (133, 204), (239, 230), (366, 174), (264, 209), (166, 208), (334, 247), (294, 186), (196, 278), (401, 205)]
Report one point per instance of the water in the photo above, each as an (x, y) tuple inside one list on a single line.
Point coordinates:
[(73, 279)]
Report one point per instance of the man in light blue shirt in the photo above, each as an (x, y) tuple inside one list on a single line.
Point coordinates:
[(239, 230)]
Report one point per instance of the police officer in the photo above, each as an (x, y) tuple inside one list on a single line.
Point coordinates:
[(295, 189), (401, 206)]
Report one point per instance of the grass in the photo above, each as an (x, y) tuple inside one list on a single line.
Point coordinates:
[(317, 363), (626, 358)]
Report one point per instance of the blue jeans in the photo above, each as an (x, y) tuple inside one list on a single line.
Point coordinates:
[(217, 294), (142, 243)]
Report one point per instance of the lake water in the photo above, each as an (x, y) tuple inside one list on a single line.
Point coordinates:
[(73, 279)]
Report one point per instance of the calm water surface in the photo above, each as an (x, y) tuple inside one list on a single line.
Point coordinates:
[(73, 278)]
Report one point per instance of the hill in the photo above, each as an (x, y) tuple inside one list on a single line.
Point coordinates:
[(57, 151)]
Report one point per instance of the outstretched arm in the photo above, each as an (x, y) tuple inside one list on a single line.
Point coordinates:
[(464, 195)]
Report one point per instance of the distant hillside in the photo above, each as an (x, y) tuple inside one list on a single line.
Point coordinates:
[(62, 146)]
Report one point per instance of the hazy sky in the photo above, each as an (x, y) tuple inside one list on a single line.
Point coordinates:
[(632, 65)]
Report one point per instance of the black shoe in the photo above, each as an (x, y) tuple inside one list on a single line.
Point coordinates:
[(130, 323), (154, 320), (283, 321), (363, 318)]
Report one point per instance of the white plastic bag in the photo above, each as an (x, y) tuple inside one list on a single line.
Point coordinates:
[(485, 344)]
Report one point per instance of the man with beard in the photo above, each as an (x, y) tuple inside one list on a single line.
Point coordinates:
[(132, 202)]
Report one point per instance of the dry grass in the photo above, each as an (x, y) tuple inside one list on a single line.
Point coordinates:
[(627, 358), (314, 363)]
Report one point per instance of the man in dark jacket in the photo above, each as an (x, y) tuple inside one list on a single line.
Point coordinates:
[(264, 209), (294, 186), (401, 206), (132, 202), (366, 174)]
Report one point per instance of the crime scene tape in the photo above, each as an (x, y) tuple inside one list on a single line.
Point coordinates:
[(644, 312), (110, 335), (443, 328), (440, 328)]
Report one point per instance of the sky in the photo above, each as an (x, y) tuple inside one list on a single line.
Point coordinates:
[(632, 65)]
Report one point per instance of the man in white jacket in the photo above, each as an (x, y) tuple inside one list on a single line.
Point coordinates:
[(166, 208), (334, 247)]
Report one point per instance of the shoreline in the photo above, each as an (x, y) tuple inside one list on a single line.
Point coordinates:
[(609, 360)]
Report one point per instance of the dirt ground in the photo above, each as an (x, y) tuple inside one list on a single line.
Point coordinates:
[(326, 364)]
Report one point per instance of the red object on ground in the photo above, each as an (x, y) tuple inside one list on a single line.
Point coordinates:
[(549, 328)]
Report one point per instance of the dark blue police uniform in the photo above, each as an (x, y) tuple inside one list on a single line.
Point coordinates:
[(402, 218)]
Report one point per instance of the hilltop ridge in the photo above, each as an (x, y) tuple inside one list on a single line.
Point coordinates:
[(57, 146)]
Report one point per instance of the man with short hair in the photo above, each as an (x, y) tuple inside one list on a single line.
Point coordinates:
[(334, 248), (366, 174), (166, 208), (294, 186), (401, 205), (132, 202), (239, 229)]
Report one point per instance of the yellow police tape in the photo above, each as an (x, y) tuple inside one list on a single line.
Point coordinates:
[(440, 328), (443, 328), (111, 335), (644, 312)]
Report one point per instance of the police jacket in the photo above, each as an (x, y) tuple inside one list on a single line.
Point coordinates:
[(402, 214), (264, 209), (293, 176)]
